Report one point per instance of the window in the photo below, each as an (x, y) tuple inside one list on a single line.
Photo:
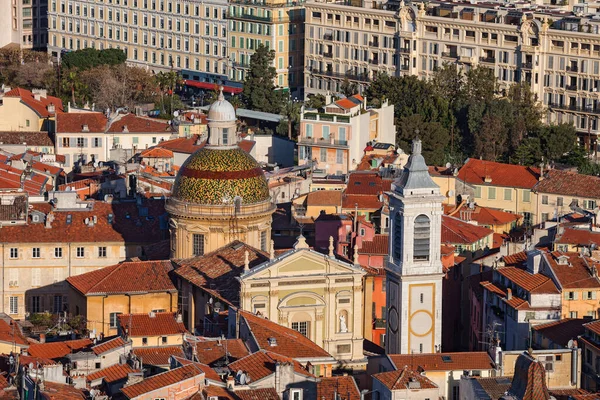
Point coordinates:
[(58, 252), (145, 341), (301, 327), (14, 253), (36, 252), (570, 296), (573, 314), (477, 192), (589, 295), (325, 130), (164, 340), (114, 319), (421, 238), (508, 194), (14, 305), (36, 277), (80, 252), (102, 252), (58, 303), (421, 298), (225, 136), (545, 200), (492, 193), (36, 305), (309, 130), (323, 154), (263, 240), (339, 156), (398, 237), (526, 196), (198, 244), (295, 394), (559, 201)]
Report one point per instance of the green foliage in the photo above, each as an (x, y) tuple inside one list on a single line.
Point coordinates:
[(315, 101), (260, 93), (434, 137), (348, 88), (89, 58), (291, 112), (43, 320)]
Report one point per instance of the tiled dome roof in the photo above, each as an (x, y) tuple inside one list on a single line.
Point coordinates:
[(217, 176)]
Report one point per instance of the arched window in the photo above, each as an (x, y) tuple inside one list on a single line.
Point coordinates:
[(398, 236), (422, 234)]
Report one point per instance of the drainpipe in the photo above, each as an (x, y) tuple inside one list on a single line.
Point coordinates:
[(103, 298), (3, 277)]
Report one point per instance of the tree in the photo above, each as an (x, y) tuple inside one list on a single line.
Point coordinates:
[(526, 113), (491, 138), (167, 83), (315, 101), (74, 86), (433, 135), (291, 112), (260, 93), (558, 140), (348, 88), (89, 58)]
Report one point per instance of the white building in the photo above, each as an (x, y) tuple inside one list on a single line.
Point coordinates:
[(414, 267)]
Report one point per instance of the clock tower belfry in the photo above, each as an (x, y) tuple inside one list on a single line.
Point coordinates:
[(414, 267)]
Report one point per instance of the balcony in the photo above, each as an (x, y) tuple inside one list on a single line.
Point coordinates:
[(248, 17), (527, 65), (328, 54), (328, 36), (374, 62), (449, 54), (570, 107), (323, 142), (379, 323), (405, 50), (348, 75), (571, 87), (488, 60), (572, 68), (374, 44), (466, 59), (237, 64), (404, 67)]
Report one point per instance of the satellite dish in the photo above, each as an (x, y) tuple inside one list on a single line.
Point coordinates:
[(30, 365), (101, 164), (448, 165), (95, 164), (570, 344), (239, 373), (176, 113), (242, 379), (210, 301), (450, 193)]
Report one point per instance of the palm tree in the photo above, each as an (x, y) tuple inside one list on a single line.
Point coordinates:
[(291, 111)]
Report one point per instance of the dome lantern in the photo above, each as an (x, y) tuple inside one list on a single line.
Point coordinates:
[(222, 123)]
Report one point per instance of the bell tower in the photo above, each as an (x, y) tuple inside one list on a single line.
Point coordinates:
[(414, 266)]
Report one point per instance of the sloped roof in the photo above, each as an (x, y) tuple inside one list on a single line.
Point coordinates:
[(379, 245), (156, 152), (262, 364), (161, 324), (258, 394), (344, 386), (158, 355), (109, 345), (75, 122), (324, 198), (156, 382), (127, 277), (11, 334), (578, 237), (399, 379), (456, 231), (39, 106), (135, 124), (435, 361), (59, 391), (516, 259), (56, 350), (112, 374), (561, 331), (533, 283), (593, 326), (290, 343), (577, 274), (570, 184), (211, 351), (529, 380), (509, 175), (31, 138), (182, 145), (362, 183)]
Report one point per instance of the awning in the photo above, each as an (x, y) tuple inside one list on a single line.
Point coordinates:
[(212, 86)]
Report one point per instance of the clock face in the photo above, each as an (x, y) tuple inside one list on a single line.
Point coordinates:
[(393, 319)]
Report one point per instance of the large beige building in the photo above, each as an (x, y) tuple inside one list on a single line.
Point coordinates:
[(557, 54), (23, 23), (276, 24)]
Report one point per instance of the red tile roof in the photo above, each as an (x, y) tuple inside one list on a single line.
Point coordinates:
[(262, 364), (127, 277), (257, 394), (475, 172), (364, 202), (182, 145), (156, 152), (172, 377), (74, 122), (135, 124), (112, 374), (211, 351), (577, 274), (456, 231), (217, 271), (12, 333), (158, 355), (561, 331), (35, 184), (324, 198), (399, 379), (109, 345), (346, 104), (39, 106), (434, 362), (379, 245), (486, 216), (208, 371), (515, 260), (364, 183), (217, 391), (81, 184), (533, 283), (59, 391), (344, 386), (31, 138), (570, 184), (578, 237), (162, 324), (573, 394), (593, 326), (290, 343), (56, 350)]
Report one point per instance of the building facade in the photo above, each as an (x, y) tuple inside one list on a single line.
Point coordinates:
[(24, 23), (414, 267), (557, 56)]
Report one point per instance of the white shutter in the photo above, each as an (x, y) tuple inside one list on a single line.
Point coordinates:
[(14, 276), (58, 274), (36, 277)]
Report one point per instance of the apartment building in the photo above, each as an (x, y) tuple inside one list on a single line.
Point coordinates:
[(276, 24), (24, 23), (156, 34), (557, 53)]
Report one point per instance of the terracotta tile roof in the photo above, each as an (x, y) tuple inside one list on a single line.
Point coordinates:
[(570, 184), (262, 364), (31, 138), (346, 104), (158, 355), (515, 260), (399, 379), (123, 229), (344, 386), (475, 171), (109, 345), (162, 324), (219, 392), (495, 387), (290, 343), (182, 145), (434, 361), (217, 271), (258, 394), (35, 184), (593, 326), (45, 168), (39, 106), (112, 374), (578, 237), (529, 381), (364, 183), (159, 381), (56, 350), (211, 351), (573, 394), (156, 152), (59, 391), (134, 124), (12, 333), (364, 202), (324, 198), (561, 331), (246, 145), (127, 277), (208, 371), (491, 216), (26, 360), (456, 231), (379, 245), (74, 122), (577, 274), (533, 283), (81, 184)]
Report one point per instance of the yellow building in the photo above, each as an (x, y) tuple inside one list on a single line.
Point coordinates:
[(11, 338), (276, 24), (25, 111), (445, 178), (502, 186), (220, 193), (153, 329), (590, 352), (127, 288), (313, 203)]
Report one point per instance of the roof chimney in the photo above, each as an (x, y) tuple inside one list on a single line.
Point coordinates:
[(246, 261), (152, 314), (331, 253), (272, 341), (509, 294), (272, 250), (85, 128), (487, 179)]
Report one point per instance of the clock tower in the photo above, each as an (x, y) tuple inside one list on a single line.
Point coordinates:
[(414, 267)]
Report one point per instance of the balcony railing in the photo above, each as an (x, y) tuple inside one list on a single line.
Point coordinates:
[(328, 36), (249, 17), (323, 141), (374, 44), (571, 87), (328, 54), (374, 62), (489, 60), (405, 50), (527, 65), (238, 64), (449, 54), (572, 68), (570, 107), (348, 75)]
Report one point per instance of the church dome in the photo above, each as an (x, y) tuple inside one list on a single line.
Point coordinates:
[(221, 110), (217, 176)]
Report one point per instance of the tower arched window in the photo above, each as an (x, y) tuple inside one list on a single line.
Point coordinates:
[(422, 235), (398, 236)]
